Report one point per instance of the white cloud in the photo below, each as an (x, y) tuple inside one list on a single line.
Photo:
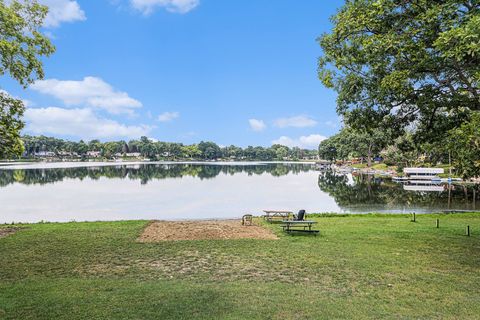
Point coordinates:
[(81, 122), (312, 140), (60, 11), (257, 125), (297, 122), (177, 6), (168, 116), (306, 142), (91, 91)]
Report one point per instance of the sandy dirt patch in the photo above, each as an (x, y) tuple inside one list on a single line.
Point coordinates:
[(6, 231), (203, 230)]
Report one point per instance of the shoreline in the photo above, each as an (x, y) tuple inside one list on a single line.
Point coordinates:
[(309, 215)]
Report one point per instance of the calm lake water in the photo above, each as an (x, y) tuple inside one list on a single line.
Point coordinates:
[(175, 191)]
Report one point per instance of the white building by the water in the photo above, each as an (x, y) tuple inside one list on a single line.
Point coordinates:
[(422, 173)]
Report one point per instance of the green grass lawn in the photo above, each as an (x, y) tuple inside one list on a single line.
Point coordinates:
[(371, 266), (375, 166)]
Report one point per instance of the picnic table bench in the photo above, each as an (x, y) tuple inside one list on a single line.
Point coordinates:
[(299, 226), (271, 215)]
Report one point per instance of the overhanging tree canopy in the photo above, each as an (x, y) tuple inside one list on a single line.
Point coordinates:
[(416, 61), (21, 46)]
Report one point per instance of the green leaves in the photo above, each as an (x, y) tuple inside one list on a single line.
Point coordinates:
[(354, 143), (21, 44), (462, 42), (11, 112), (412, 60), (21, 47), (464, 143)]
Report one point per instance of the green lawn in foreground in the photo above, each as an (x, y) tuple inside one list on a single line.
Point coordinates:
[(368, 266)]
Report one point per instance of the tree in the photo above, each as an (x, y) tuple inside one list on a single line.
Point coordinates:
[(368, 144), (11, 112), (464, 143), (109, 149), (209, 150), (133, 146), (147, 147), (402, 152), (327, 150), (191, 152), (21, 47), (411, 61), (124, 147), (354, 143), (296, 153), (95, 145), (82, 148), (281, 153), (232, 152), (175, 150)]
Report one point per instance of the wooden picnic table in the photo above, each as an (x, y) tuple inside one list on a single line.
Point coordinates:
[(299, 226), (270, 215)]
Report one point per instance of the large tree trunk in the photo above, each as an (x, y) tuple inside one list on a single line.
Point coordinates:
[(369, 156)]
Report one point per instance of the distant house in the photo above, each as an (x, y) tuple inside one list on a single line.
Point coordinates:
[(44, 154), (312, 157), (133, 154), (67, 154), (356, 160), (93, 154)]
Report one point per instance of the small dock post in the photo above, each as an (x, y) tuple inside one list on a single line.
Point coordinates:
[(474, 198), (438, 223), (468, 231)]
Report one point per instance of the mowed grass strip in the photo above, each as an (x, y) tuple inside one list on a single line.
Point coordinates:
[(368, 266)]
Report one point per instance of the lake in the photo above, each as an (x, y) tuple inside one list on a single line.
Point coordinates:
[(59, 192)]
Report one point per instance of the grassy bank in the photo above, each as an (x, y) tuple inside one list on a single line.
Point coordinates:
[(372, 266), (375, 166)]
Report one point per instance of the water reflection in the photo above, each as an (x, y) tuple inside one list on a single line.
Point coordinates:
[(158, 191), (361, 192), (203, 191), (145, 172)]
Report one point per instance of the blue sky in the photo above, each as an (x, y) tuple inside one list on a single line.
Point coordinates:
[(234, 72)]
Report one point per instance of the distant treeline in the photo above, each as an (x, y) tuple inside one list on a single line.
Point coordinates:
[(41, 146)]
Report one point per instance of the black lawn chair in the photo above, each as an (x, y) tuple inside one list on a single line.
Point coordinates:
[(300, 216)]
